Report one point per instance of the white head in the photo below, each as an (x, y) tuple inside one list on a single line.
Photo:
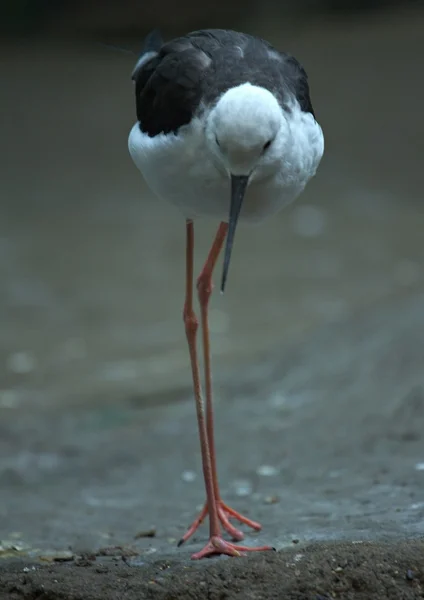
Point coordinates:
[(246, 133)]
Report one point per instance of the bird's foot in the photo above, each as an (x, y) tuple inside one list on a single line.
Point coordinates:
[(224, 514), (217, 545)]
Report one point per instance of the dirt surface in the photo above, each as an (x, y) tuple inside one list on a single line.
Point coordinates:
[(318, 344), (338, 423), (315, 572)]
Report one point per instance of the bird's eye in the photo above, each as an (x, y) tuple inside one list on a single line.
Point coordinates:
[(267, 145)]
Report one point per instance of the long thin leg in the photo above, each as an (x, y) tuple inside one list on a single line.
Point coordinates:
[(191, 326), (205, 288), (216, 544)]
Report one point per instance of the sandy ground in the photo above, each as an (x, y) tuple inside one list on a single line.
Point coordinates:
[(318, 345), (348, 469)]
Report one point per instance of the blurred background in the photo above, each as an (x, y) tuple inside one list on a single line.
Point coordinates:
[(92, 265)]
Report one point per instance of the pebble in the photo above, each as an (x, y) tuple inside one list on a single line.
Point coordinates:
[(150, 532), (267, 470), (188, 476), (64, 556), (272, 499), (277, 400), (13, 546), (242, 487)]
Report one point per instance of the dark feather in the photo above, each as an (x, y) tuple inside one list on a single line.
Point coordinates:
[(196, 69)]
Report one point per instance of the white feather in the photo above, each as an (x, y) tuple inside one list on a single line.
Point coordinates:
[(191, 171)]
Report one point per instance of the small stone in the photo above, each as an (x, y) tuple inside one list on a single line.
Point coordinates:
[(338, 569), (9, 546), (188, 476), (267, 470), (133, 561), (242, 487), (86, 559), (277, 400), (101, 569), (410, 575), (272, 500), (151, 532), (64, 556)]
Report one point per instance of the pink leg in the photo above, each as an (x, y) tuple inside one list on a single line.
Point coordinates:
[(191, 325), (222, 512)]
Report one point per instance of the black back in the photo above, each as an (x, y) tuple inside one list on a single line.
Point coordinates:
[(198, 68)]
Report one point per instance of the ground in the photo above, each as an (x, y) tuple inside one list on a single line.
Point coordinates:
[(350, 470), (317, 347), (318, 572)]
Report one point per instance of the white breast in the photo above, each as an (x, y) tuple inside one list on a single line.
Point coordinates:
[(180, 170)]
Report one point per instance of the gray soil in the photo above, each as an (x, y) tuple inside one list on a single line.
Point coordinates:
[(318, 348)]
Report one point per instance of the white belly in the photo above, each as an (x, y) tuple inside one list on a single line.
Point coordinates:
[(178, 169)]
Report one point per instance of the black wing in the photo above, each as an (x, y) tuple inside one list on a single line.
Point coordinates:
[(179, 77)]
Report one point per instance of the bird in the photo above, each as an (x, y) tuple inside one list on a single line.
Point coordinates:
[(225, 129)]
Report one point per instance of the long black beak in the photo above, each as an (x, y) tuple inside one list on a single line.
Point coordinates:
[(238, 189)]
